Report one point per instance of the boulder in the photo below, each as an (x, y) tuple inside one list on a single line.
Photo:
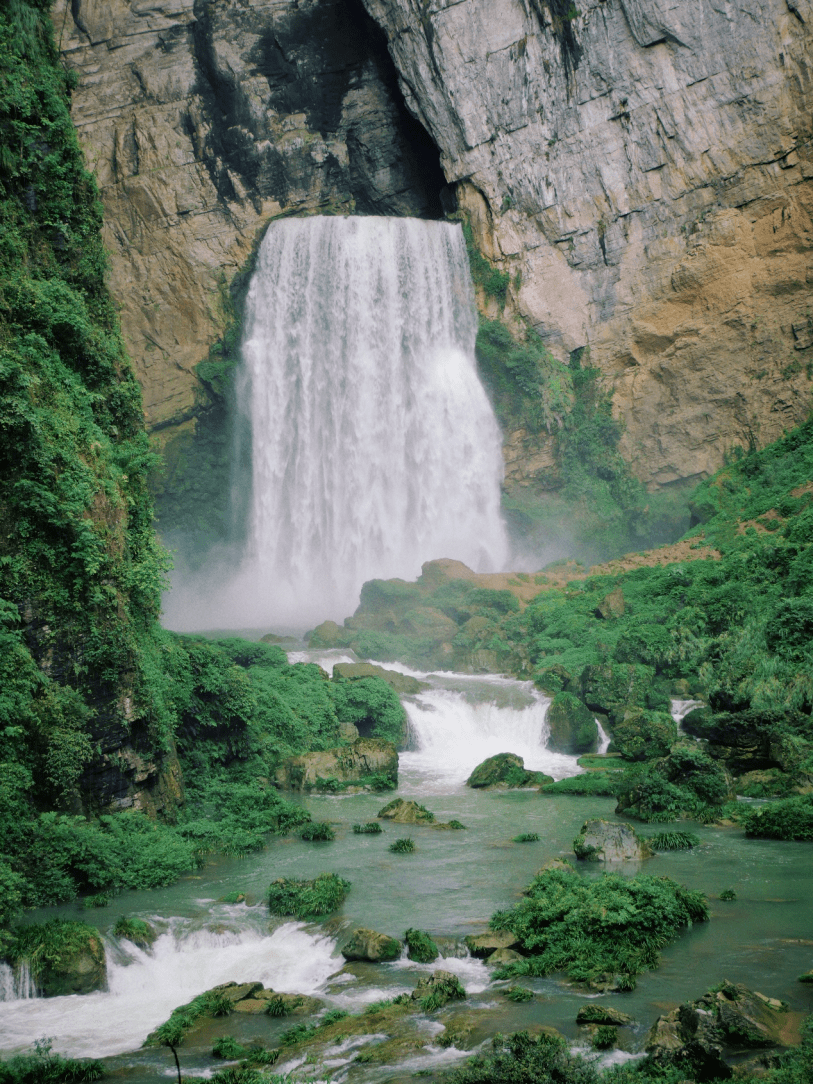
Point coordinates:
[(483, 945), (705, 1037), (643, 735), (611, 605), (505, 770), (65, 957), (503, 956), (137, 931), (607, 841), (747, 741), (371, 946), (572, 727), (553, 679), (328, 634), (400, 811), (613, 687), (441, 986), (347, 765), (403, 684)]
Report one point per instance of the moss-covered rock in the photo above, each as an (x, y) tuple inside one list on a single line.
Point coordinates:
[(371, 946), (401, 811), (368, 764), (438, 989), (612, 688), (572, 726), (603, 1014), (307, 899), (608, 841), (64, 957), (642, 734), (420, 946), (553, 679), (687, 783), (403, 684), (505, 770), (138, 931)]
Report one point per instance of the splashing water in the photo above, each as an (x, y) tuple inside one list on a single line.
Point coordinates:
[(374, 446)]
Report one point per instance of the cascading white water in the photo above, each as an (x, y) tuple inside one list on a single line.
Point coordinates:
[(145, 988), (374, 446)]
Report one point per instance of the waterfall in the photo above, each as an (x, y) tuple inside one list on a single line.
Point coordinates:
[(374, 446)]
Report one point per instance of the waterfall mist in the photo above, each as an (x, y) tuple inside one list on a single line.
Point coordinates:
[(374, 445)]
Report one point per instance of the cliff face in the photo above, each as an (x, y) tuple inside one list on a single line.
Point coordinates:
[(645, 167), (203, 120)]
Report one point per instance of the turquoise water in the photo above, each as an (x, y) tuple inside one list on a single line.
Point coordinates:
[(449, 886)]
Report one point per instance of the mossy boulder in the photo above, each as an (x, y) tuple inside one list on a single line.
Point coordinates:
[(483, 945), (403, 684), (643, 735), (368, 763), (603, 1014), (553, 679), (612, 688), (608, 841), (64, 957), (749, 740), (307, 899), (137, 931), (437, 990), (612, 605), (572, 726), (503, 771), (684, 784), (420, 946), (707, 1036), (373, 947), (401, 811), (328, 634)]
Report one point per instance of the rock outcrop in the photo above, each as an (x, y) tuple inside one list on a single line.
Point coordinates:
[(204, 121), (572, 727), (348, 766), (643, 170), (504, 771), (606, 841), (372, 947)]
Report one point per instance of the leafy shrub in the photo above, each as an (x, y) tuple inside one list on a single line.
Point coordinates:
[(457, 826), (789, 818), (227, 1047), (728, 894), (611, 926), (527, 837), (518, 993), (441, 992), (526, 1059), (307, 899), (318, 831), (601, 784), (420, 946), (45, 1067), (371, 828), (403, 846), (605, 1037)]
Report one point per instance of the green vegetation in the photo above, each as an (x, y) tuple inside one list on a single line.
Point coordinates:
[(173, 1031), (403, 846), (491, 280), (594, 930), (727, 895), (440, 991), (420, 946), (791, 818), (526, 1059), (601, 784), (371, 828), (527, 837), (302, 1032), (45, 1067), (687, 783), (673, 841), (318, 832), (227, 1047), (307, 899), (457, 826), (518, 993)]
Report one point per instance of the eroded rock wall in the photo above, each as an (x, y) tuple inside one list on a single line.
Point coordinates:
[(202, 121), (645, 166)]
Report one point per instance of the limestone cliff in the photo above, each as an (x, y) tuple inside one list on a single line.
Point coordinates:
[(202, 120), (645, 166)]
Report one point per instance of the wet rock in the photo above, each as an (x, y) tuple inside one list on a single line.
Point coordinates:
[(483, 945), (235, 992), (553, 679), (328, 634), (606, 841), (365, 944), (401, 811), (614, 688), (437, 989), (572, 726), (611, 605), (747, 741), (706, 1037), (603, 1014), (403, 684), (642, 735), (136, 930), (251, 1006), (64, 957), (502, 956), (346, 765), (505, 770)]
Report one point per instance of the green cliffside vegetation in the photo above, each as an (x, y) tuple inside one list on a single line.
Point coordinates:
[(126, 753)]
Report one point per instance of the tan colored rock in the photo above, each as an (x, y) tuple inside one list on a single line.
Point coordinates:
[(346, 764), (503, 956), (401, 811), (371, 946), (483, 945), (606, 841)]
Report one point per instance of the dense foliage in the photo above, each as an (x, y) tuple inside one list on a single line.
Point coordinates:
[(613, 927), (307, 899)]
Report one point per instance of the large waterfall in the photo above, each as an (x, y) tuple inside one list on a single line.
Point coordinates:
[(374, 446)]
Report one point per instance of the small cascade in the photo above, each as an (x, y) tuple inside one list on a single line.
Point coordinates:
[(604, 739), (374, 445), (144, 988), (679, 709), (17, 984)]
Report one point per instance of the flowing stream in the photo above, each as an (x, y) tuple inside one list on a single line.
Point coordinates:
[(450, 886)]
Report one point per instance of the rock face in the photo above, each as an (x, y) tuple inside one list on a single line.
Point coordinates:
[(403, 684), (572, 727), (205, 120), (643, 170), (704, 1037), (605, 841), (331, 769), (373, 947), (400, 811)]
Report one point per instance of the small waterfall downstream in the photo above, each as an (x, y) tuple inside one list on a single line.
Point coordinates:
[(374, 446)]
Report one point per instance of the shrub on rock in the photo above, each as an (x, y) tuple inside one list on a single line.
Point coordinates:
[(421, 948), (572, 726), (642, 735), (307, 899), (65, 957)]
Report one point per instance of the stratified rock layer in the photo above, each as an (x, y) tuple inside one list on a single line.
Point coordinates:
[(643, 169)]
